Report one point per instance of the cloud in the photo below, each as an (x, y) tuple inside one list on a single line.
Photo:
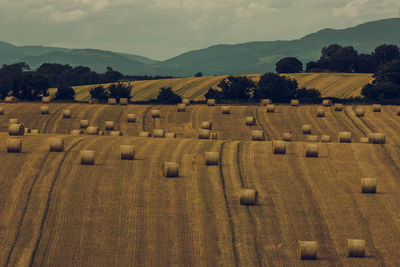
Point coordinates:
[(68, 16)]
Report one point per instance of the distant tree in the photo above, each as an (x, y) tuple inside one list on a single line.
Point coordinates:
[(366, 64), (313, 66), (338, 58), (213, 94), (99, 93), (199, 74), (120, 90), (289, 65), (386, 53), (65, 92), (167, 96), (237, 87), (111, 75), (305, 93), (275, 87)]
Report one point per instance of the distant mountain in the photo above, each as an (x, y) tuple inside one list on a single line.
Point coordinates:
[(245, 58)]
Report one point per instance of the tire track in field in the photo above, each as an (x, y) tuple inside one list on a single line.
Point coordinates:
[(144, 117), (260, 124), (52, 118)]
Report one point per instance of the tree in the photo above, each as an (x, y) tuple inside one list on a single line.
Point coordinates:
[(167, 96), (199, 74), (275, 87), (213, 94), (237, 87), (366, 64), (65, 92), (289, 65), (120, 90), (305, 93), (99, 93), (386, 53)]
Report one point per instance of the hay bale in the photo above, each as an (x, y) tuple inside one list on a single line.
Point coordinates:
[(131, 117), (127, 152), (312, 138), (16, 129), (398, 112), (206, 125), (377, 138), (360, 111), (306, 128), (46, 99), (248, 197), (27, 130), (264, 102), (155, 113), (294, 102), (109, 125), (123, 101), (112, 101), (186, 101), (76, 132), (56, 144), (181, 107), (226, 110), (345, 137), (1, 110), (311, 150), (320, 112), (101, 133), (170, 135), (45, 109), (14, 145), (326, 138), (158, 133), (11, 99), (67, 113), (278, 147), (327, 102), (356, 248), (257, 135), (115, 133), (364, 140), (250, 121), (87, 157), (214, 136), (368, 185), (287, 137), (204, 134), (35, 131), (376, 107), (211, 158), (338, 107), (211, 102), (92, 130), (84, 124), (13, 121), (308, 250), (93, 101), (170, 169), (144, 134), (270, 108)]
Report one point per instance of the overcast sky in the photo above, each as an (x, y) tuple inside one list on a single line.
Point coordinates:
[(161, 29)]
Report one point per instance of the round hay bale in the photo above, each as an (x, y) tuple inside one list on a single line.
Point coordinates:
[(206, 125), (226, 110), (45, 109), (14, 145), (320, 112), (1, 110), (87, 157), (306, 128), (115, 133), (46, 99), (92, 130), (356, 248), (248, 197), (311, 150), (16, 129), (204, 134), (264, 102), (11, 99), (364, 140), (170, 135), (287, 137), (345, 137), (112, 101), (214, 136), (76, 132), (360, 111), (308, 250), (211, 102), (67, 113), (93, 101), (13, 121), (158, 133), (338, 107), (101, 133), (257, 135), (368, 185), (250, 121), (155, 113), (211, 158), (84, 124), (181, 107), (278, 147), (109, 125), (131, 117), (127, 152), (312, 138), (123, 101), (170, 169), (186, 101), (144, 134), (270, 108), (327, 102), (376, 108), (35, 131), (377, 138), (56, 144), (27, 130), (326, 138), (294, 102)]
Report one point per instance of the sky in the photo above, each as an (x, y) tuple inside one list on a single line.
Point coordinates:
[(161, 29)]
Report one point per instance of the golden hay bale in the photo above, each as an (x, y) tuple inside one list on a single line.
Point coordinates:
[(35, 131), (248, 197), (204, 134), (364, 140), (181, 107), (93, 101), (306, 128), (377, 138), (226, 110), (115, 133), (92, 130), (170, 169), (211, 158), (158, 133), (46, 99), (376, 108), (360, 111), (131, 117), (127, 152), (326, 138), (356, 248), (14, 145), (338, 107), (257, 135), (11, 99), (214, 136), (1, 110), (206, 125), (155, 113), (186, 101), (144, 134), (211, 102), (170, 135), (84, 124), (294, 102), (45, 109), (109, 125), (308, 250), (112, 101), (368, 185), (270, 108), (312, 138), (311, 150), (344, 137), (76, 132), (320, 112), (67, 113), (327, 102), (87, 157), (264, 102), (13, 121), (278, 147), (56, 144), (250, 121), (123, 101), (287, 137), (16, 129), (27, 130)]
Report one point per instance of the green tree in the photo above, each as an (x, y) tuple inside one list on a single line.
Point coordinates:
[(120, 90), (289, 65), (275, 87), (386, 53), (199, 74), (167, 96), (213, 94), (99, 93), (65, 92), (237, 87)]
